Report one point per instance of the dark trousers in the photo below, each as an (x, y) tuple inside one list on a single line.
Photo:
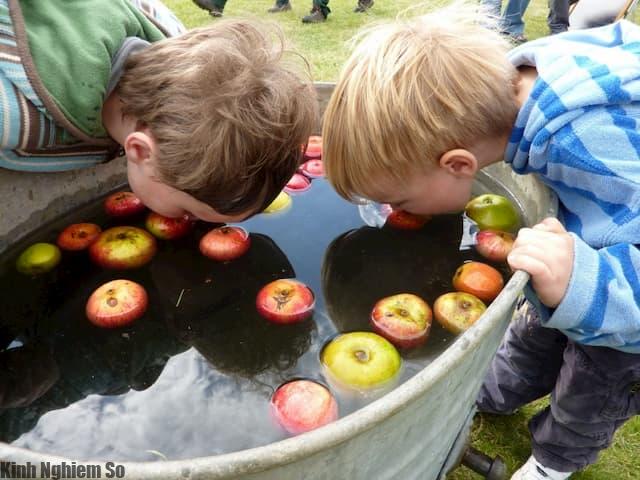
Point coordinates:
[(208, 4), (593, 390), (322, 5), (558, 18)]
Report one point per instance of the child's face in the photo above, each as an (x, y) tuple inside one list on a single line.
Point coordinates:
[(433, 192), (170, 202)]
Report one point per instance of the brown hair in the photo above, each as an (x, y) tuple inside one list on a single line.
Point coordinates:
[(228, 109), (413, 90)]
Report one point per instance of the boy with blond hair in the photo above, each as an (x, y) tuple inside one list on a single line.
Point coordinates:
[(423, 104), (211, 120)]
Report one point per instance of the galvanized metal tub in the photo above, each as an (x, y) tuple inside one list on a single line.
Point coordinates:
[(409, 433)]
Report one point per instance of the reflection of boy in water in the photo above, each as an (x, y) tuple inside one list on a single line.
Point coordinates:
[(28, 372), (362, 266), (217, 312), (63, 358)]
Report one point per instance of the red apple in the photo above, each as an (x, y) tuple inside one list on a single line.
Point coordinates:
[(78, 236), (457, 311), (123, 248), (297, 184), (494, 245), (313, 168), (116, 303), (285, 301), (302, 405), (123, 204), (404, 320), (406, 221), (314, 148), (167, 228), (479, 279), (225, 243)]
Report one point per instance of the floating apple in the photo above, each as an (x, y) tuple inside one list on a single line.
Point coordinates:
[(116, 303), (123, 248), (406, 221), (38, 258), (457, 311), (479, 279), (167, 228), (302, 405), (123, 204), (285, 301), (313, 168), (281, 202), (78, 236), (313, 148), (361, 360), (493, 212), (225, 243), (404, 320), (494, 245), (298, 184)]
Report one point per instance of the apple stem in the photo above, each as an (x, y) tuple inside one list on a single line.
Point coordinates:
[(282, 298), (361, 355)]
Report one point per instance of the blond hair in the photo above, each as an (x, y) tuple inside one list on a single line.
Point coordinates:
[(412, 90), (229, 107)]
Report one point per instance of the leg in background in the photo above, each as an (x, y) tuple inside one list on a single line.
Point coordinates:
[(558, 18)]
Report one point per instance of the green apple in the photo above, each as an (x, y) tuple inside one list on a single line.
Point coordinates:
[(457, 311), (280, 203), (493, 212), (38, 258), (361, 360)]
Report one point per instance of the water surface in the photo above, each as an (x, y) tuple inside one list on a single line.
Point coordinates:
[(194, 376)]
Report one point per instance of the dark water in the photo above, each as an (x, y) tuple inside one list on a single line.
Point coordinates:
[(194, 377)]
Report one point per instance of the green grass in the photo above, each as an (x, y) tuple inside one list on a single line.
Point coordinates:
[(325, 46)]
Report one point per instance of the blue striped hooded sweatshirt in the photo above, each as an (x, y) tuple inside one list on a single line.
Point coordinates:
[(579, 131)]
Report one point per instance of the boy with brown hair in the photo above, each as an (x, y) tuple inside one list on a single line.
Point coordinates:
[(211, 121), (423, 104)]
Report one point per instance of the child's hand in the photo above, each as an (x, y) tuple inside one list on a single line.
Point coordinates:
[(546, 253)]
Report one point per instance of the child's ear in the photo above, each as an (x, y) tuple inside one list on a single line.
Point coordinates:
[(459, 162), (138, 146)]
